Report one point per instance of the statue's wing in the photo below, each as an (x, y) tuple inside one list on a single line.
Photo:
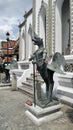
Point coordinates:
[(55, 68), (59, 59), (58, 63)]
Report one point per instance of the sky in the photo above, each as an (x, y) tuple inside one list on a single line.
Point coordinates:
[(11, 15)]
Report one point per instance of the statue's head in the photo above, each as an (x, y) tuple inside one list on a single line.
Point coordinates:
[(37, 41)]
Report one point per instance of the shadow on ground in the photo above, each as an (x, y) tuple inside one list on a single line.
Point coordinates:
[(69, 113)]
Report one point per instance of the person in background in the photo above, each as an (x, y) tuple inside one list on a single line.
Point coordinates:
[(7, 79)]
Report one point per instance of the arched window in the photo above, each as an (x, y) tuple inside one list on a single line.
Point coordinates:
[(42, 22), (66, 27)]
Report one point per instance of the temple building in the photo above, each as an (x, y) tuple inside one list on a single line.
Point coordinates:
[(25, 34), (9, 50), (53, 22)]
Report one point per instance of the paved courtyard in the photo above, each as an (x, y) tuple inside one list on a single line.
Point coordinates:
[(12, 114)]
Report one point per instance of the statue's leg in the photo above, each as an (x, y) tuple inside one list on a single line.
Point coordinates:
[(44, 74), (50, 91), (50, 81), (7, 75), (47, 90)]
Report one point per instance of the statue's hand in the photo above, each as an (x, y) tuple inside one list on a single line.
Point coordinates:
[(33, 62), (30, 58), (44, 59)]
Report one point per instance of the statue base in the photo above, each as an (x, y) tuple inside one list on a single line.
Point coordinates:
[(45, 103), (40, 115), (41, 98)]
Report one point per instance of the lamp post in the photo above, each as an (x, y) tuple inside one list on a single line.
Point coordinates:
[(7, 38)]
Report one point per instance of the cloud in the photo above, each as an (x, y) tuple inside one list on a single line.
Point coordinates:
[(10, 25), (11, 13), (14, 7)]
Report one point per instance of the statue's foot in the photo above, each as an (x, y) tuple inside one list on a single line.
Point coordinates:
[(43, 104), (47, 102), (7, 81), (4, 81)]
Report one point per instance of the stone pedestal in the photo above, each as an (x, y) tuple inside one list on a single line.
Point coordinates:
[(40, 115), (64, 89), (14, 82)]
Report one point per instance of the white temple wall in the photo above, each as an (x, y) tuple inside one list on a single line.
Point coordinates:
[(37, 8), (41, 29), (28, 37), (65, 27), (25, 46), (58, 27), (22, 44), (29, 21), (61, 27), (42, 24), (38, 19)]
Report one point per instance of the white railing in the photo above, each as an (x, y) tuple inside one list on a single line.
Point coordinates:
[(23, 64), (69, 59)]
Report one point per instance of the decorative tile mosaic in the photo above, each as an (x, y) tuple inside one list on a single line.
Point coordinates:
[(68, 67)]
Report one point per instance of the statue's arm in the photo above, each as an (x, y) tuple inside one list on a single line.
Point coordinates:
[(44, 54), (33, 57)]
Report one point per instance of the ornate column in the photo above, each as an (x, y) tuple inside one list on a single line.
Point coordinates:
[(19, 43), (50, 27), (47, 29), (25, 37), (71, 25), (33, 21)]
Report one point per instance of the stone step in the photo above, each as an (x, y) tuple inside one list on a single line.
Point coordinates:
[(64, 99), (45, 119), (37, 73), (5, 84), (27, 85), (65, 91), (26, 91), (37, 76), (66, 84), (17, 72), (39, 111), (40, 115), (66, 78), (30, 80)]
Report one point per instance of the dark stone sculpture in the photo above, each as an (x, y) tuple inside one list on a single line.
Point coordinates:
[(46, 70), (6, 68), (6, 71)]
